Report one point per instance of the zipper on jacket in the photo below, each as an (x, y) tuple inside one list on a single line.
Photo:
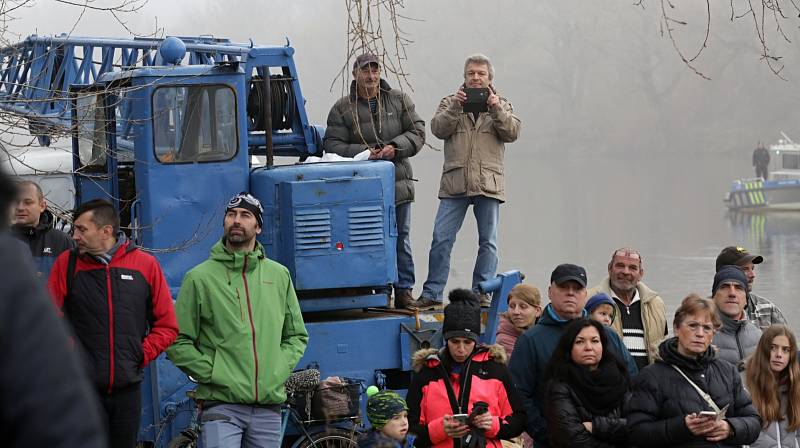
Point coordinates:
[(739, 343), (110, 332), (252, 327)]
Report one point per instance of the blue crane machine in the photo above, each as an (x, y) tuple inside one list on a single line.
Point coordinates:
[(168, 130)]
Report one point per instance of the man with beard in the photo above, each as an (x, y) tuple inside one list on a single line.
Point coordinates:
[(33, 224), (641, 315), (118, 302), (241, 333)]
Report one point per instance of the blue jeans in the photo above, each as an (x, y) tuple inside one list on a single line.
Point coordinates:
[(449, 218), (405, 262), (229, 425)]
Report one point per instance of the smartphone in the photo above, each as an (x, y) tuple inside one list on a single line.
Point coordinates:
[(476, 99), (711, 414), (461, 418)]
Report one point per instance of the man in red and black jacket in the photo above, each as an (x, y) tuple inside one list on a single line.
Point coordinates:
[(116, 299)]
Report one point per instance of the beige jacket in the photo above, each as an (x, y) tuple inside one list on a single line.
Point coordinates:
[(474, 150), (654, 315)]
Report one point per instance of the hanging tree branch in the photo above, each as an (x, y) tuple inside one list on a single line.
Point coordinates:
[(764, 14)]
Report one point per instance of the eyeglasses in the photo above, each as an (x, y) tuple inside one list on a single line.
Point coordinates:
[(246, 197), (694, 326)]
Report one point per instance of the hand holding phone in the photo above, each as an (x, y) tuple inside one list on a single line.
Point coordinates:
[(476, 100), (462, 419)]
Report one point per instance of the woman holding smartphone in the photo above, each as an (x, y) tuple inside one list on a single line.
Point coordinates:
[(689, 397), (463, 391), (773, 379), (586, 389)]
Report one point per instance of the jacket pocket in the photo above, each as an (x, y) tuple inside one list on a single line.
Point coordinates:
[(492, 179), (454, 182)]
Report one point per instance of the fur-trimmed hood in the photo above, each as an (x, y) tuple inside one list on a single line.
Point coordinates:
[(432, 356)]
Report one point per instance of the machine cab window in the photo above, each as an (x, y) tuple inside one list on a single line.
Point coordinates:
[(92, 126), (194, 124), (791, 161)]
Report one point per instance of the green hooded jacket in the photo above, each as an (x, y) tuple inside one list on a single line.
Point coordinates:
[(241, 332)]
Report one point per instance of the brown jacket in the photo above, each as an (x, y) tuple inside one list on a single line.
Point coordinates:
[(474, 150), (654, 315)]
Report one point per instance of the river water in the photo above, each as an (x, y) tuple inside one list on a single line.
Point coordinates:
[(565, 207)]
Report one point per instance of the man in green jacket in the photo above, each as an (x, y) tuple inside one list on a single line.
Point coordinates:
[(377, 118), (241, 333)]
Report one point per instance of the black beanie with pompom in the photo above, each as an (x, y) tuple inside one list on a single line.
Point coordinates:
[(462, 316)]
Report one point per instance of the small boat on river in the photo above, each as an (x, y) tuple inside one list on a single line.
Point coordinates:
[(781, 191)]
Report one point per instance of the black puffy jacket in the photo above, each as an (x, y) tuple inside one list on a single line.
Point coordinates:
[(662, 398), (46, 243), (565, 416)]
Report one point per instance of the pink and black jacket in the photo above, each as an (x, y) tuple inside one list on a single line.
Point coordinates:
[(483, 377)]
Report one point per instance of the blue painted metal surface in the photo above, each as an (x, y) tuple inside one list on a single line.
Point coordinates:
[(331, 224), (170, 174)]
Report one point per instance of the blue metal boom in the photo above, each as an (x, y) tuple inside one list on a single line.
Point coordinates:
[(36, 76)]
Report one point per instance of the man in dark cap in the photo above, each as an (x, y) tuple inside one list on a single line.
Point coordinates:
[(738, 337), (241, 333), (535, 347), (384, 121), (759, 310)]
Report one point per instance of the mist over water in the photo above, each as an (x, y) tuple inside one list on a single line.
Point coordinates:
[(579, 209)]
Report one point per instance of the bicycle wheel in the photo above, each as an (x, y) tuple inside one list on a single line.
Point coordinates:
[(332, 438)]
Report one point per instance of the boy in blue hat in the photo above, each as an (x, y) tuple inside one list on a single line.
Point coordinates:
[(388, 414), (601, 308)]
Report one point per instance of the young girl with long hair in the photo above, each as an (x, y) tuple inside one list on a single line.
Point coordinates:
[(773, 379)]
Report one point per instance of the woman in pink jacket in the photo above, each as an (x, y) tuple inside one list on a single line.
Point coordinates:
[(524, 309)]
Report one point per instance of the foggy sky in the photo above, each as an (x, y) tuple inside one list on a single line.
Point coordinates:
[(583, 76)]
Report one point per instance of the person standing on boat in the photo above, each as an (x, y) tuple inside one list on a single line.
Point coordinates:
[(761, 161), (240, 334), (761, 311), (474, 147), (641, 315), (738, 337), (384, 121)]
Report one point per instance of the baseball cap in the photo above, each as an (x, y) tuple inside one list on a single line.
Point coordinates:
[(364, 59), (736, 255), (566, 272)]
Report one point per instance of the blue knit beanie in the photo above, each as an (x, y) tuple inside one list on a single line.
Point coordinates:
[(599, 299)]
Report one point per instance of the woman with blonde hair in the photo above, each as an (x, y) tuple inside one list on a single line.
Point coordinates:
[(524, 309), (773, 379)]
